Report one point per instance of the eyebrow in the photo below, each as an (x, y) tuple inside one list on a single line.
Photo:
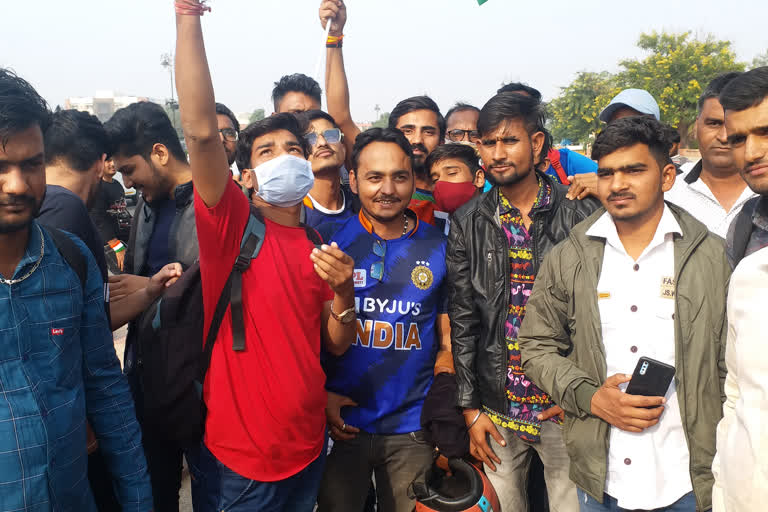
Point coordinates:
[(38, 156), (623, 168)]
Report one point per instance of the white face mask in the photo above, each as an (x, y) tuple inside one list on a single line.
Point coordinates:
[(284, 181)]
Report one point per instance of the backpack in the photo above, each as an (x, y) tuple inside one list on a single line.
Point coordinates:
[(71, 253), (554, 160), (172, 358)]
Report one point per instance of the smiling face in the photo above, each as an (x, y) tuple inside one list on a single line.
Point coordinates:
[(22, 179), (748, 138), (324, 155), (422, 130), (383, 181), (631, 185), (146, 176)]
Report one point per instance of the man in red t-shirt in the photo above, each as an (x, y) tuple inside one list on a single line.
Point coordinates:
[(265, 430)]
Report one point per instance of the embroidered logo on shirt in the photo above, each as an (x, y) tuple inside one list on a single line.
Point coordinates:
[(421, 276), (57, 332), (603, 295), (667, 290), (360, 277)]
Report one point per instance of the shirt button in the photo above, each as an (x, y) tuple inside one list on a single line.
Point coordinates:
[(627, 461), (636, 267), (633, 349), (633, 309)]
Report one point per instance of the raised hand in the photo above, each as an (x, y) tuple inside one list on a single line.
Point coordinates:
[(337, 11), (335, 268)]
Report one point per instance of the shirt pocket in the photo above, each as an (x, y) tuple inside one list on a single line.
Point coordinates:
[(54, 358)]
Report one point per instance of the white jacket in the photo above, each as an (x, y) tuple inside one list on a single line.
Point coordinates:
[(741, 463)]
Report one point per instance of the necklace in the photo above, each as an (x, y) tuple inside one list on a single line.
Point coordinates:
[(10, 282), (405, 226)]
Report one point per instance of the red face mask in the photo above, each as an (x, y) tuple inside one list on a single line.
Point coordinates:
[(449, 197)]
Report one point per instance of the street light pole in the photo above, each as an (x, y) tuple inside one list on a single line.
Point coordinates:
[(166, 60)]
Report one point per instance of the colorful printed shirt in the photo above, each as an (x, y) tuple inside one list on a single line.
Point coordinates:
[(526, 400), (399, 292)]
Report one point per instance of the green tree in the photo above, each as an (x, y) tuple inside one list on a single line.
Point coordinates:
[(676, 72), (256, 115), (760, 60), (382, 122), (573, 114)]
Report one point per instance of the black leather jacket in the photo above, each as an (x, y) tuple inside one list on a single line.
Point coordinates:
[(479, 283)]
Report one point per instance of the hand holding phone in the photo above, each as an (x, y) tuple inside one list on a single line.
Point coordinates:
[(633, 413), (651, 378)]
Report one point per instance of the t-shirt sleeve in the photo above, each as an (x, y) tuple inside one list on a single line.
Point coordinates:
[(576, 163), (219, 234)]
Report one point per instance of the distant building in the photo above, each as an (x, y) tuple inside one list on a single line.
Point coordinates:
[(103, 104)]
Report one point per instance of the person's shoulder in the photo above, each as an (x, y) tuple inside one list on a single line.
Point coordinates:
[(471, 207), (576, 163), (338, 230), (62, 208), (427, 231), (57, 196)]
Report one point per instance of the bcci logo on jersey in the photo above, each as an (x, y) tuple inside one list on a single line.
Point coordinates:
[(421, 276)]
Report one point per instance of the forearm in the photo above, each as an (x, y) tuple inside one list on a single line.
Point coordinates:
[(197, 106), (338, 336), (444, 359), (337, 94), (125, 310)]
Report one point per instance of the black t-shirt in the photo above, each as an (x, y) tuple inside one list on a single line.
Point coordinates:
[(65, 210), (158, 250), (110, 212)]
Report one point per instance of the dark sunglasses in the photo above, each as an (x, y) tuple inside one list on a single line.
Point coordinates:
[(229, 134), (380, 250), (331, 136), (460, 135)]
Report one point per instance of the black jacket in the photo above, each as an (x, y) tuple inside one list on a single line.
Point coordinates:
[(479, 284), (182, 248)]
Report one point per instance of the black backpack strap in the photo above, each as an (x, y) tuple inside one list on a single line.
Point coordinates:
[(247, 252), (71, 253)]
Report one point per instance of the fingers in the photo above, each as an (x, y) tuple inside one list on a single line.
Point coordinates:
[(642, 401), (485, 453), (332, 254), (550, 413), (347, 402), (339, 435), (614, 380), (496, 437), (575, 190), (171, 282)]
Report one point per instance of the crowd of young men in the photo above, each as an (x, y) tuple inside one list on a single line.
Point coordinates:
[(528, 280)]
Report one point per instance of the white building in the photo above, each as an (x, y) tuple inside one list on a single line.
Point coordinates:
[(103, 104)]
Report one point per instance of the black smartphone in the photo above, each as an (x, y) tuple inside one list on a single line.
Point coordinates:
[(651, 378)]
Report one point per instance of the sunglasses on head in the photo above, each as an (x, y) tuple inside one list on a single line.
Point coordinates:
[(331, 136)]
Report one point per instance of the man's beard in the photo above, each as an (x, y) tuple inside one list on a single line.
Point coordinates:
[(15, 227)]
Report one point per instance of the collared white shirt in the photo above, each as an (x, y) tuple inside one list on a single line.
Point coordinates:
[(740, 466), (692, 194), (647, 470)]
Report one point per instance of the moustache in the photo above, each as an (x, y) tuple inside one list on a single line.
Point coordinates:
[(616, 197), (420, 147), (392, 199), (13, 200), (502, 164)]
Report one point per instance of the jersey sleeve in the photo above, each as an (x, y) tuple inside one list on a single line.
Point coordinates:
[(576, 163)]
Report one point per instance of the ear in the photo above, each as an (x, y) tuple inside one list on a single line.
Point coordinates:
[(100, 166), (248, 178), (353, 181), (480, 179), (537, 142), (160, 154), (668, 176)]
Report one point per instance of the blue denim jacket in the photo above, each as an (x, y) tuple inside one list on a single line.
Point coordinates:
[(57, 367)]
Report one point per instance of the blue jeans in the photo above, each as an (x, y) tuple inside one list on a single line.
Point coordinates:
[(216, 488), (589, 504)]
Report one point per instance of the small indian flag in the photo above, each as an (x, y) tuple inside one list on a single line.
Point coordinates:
[(481, 2)]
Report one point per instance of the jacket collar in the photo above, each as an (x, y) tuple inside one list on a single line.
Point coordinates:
[(183, 195), (591, 248), (489, 202), (694, 174)]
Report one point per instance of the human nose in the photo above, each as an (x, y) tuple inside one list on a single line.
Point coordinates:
[(499, 152), (755, 149), (13, 182)]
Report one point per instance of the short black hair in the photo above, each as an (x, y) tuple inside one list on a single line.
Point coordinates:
[(311, 115), (20, 106), (672, 134), (460, 107), (417, 103), (372, 135), (746, 90), (135, 129), (296, 82), (518, 87), (629, 131), (715, 87), (253, 131), (506, 106), (76, 138), (463, 152), (224, 111)]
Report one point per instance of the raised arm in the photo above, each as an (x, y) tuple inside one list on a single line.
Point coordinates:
[(197, 105), (336, 85)]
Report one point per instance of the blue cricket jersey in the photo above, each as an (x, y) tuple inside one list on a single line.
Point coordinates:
[(389, 368)]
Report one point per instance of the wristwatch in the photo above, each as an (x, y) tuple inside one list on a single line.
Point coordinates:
[(345, 317)]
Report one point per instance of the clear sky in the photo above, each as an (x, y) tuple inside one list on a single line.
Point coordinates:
[(450, 49)]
